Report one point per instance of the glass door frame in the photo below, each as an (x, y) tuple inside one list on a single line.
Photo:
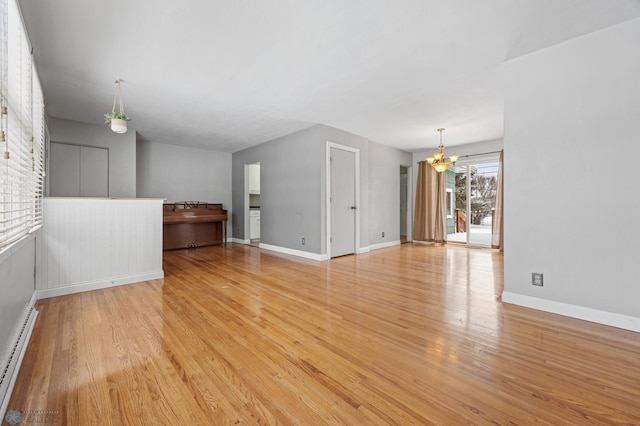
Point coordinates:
[(474, 160)]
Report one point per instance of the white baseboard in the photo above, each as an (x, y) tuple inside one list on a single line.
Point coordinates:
[(239, 241), (299, 253), (384, 245), (97, 285), (322, 257), (625, 322)]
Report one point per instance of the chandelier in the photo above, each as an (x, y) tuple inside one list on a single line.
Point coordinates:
[(438, 161)]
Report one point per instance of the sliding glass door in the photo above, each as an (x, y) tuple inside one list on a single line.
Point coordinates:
[(474, 191)]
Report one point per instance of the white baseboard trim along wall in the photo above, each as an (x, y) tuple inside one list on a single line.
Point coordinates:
[(299, 253), (384, 245), (322, 257), (580, 312), (97, 285)]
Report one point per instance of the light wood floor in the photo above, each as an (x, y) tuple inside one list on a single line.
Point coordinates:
[(406, 335)]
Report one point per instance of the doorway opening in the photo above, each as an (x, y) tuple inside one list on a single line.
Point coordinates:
[(404, 205), (471, 201), (252, 204)]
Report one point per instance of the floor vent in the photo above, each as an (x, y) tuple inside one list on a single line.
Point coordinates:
[(9, 371)]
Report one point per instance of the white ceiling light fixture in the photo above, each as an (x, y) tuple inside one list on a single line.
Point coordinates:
[(117, 120), (438, 161)]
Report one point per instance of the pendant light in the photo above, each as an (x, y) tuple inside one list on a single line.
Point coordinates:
[(117, 120), (438, 161)]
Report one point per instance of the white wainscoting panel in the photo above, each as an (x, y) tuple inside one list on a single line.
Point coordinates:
[(91, 243)]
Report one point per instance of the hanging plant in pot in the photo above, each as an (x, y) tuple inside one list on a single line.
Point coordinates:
[(117, 120)]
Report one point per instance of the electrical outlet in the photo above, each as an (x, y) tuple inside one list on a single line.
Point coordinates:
[(303, 241), (536, 279), (382, 234)]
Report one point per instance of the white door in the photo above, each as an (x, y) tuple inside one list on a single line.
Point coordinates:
[(343, 202), (64, 170), (94, 172), (78, 171)]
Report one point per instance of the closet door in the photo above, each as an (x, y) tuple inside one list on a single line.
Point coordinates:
[(64, 170), (78, 171), (94, 172), (343, 202)]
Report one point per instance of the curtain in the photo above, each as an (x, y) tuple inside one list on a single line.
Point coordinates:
[(430, 219), (497, 226)]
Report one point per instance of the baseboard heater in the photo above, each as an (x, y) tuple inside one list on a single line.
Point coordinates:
[(9, 372)]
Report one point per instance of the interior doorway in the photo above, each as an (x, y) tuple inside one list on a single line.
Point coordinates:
[(253, 205), (404, 209)]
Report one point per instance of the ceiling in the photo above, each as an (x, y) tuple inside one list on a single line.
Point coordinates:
[(227, 75)]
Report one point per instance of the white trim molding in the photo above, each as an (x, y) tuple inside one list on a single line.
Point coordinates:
[(239, 241), (625, 322), (299, 253), (384, 245), (97, 285)]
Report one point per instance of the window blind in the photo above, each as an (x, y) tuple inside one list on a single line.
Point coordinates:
[(22, 128), (38, 156)]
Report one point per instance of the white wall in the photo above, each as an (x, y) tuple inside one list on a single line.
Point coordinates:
[(122, 150), (572, 126)]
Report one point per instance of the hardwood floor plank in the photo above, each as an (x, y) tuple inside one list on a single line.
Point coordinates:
[(412, 334)]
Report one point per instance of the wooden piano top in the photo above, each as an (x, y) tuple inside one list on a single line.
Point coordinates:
[(193, 212)]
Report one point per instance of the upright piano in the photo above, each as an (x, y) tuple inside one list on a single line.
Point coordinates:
[(189, 224)]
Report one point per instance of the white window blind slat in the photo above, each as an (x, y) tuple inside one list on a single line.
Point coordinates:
[(21, 174), (37, 155)]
